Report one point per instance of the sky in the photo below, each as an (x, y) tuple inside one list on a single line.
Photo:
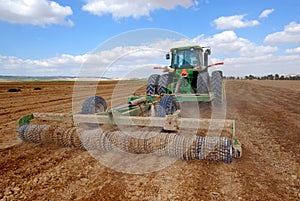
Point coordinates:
[(115, 38)]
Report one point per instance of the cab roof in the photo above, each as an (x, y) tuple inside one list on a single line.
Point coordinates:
[(196, 47)]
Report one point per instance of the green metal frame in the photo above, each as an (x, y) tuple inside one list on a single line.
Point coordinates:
[(171, 122), (194, 97), (179, 98)]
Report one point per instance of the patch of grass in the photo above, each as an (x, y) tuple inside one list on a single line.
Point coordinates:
[(13, 90), (37, 88)]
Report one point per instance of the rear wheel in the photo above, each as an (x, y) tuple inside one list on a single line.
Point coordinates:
[(163, 84), (93, 105), (202, 83), (216, 87), (151, 88), (167, 105)]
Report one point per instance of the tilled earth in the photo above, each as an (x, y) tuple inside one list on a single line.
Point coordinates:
[(267, 115)]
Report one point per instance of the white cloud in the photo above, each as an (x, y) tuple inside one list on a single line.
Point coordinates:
[(132, 8), (36, 12), (228, 43), (118, 59), (266, 13), (234, 22), (290, 35), (293, 51), (243, 57)]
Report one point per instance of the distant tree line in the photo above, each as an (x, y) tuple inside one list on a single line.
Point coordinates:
[(265, 77)]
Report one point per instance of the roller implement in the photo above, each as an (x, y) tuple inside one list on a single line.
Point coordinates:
[(154, 122)]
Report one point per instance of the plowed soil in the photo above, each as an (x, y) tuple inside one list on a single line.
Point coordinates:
[(267, 115)]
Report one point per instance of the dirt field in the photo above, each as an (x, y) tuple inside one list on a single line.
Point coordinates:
[(267, 115)]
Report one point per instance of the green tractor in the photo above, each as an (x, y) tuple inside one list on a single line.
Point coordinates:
[(187, 79)]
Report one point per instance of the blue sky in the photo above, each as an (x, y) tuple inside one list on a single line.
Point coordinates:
[(46, 38)]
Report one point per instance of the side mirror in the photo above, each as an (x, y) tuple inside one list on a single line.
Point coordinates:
[(168, 56), (208, 52)]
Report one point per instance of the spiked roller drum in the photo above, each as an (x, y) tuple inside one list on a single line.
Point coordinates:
[(164, 144)]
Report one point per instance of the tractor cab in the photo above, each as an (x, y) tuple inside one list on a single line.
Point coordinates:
[(187, 74), (188, 57), (188, 68)]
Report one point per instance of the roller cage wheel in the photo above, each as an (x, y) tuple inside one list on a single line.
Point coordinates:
[(167, 105), (94, 105), (163, 84), (152, 83), (216, 87), (202, 82)]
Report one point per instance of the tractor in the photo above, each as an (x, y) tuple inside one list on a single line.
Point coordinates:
[(187, 79)]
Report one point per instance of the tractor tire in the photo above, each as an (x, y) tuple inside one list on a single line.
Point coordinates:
[(94, 105), (167, 105), (151, 88), (202, 83), (216, 87), (163, 84)]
